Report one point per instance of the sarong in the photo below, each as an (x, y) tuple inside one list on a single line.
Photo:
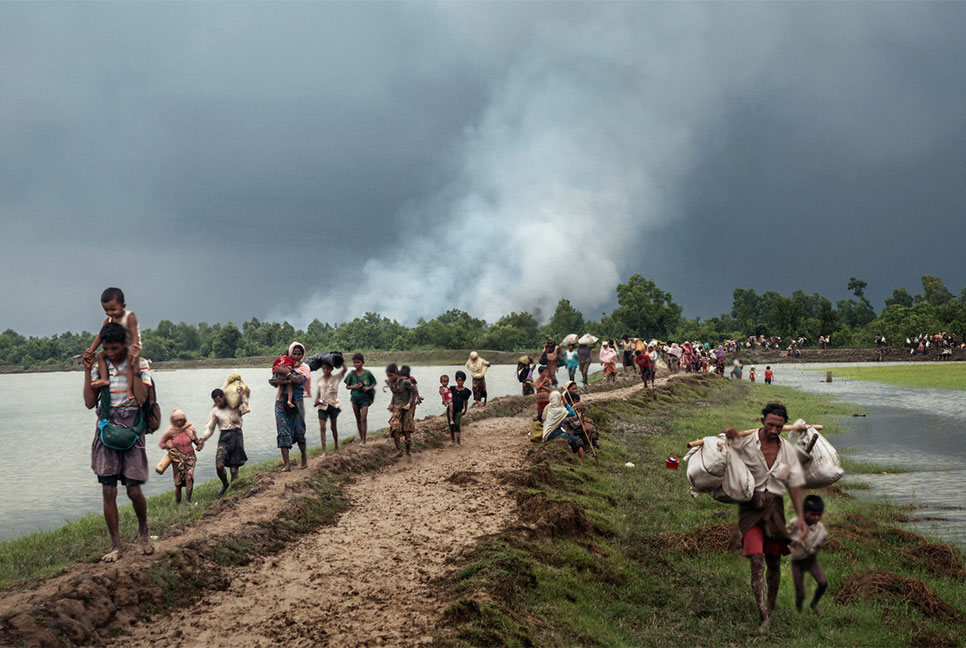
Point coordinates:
[(231, 448), (183, 466), (479, 388)]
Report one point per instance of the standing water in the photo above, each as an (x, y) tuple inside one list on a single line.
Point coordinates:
[(923, 430), (45, 450)]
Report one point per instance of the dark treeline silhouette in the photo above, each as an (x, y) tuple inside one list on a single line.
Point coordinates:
[(643, 310)]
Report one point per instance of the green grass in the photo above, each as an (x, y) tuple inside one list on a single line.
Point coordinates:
[(34, 557), (629, 582), (947, 375)]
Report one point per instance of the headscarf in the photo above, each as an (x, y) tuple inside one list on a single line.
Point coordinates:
[(719, 353), (476, 365), (173, 429), (302, 368), (607, 354), (553, 414)]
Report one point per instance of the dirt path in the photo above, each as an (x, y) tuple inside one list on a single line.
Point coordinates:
[(367, 581)]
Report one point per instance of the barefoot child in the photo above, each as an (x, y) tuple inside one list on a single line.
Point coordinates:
[(447, 396), (461, 400), (178, 440), (804, 551), (283, 367), (403, 400), (327, 400), (769, 375), (112, 301), (362, 384), (751, 374)]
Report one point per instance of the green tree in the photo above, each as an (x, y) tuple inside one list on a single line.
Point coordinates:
[(565, 320), (935, 291), (645, 310), (900, 297), (226, 341), (857, 287)]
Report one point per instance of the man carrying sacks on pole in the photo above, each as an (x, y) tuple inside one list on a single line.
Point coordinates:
[(776, 469)]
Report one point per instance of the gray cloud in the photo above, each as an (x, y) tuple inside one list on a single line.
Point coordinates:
[(319, 160)]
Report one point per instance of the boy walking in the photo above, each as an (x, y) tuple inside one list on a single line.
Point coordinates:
[(805, 550)]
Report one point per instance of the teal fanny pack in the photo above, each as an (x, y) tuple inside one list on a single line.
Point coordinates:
[(112, 435)]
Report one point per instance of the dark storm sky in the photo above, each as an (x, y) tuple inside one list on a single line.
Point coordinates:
[(222, 161)]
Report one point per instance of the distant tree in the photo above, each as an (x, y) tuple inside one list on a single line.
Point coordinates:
[(226, 341), (900, 297), (644, 309), (565, 320), (934, 291), (857, 287)]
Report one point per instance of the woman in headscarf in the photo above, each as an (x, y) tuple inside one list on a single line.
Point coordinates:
[(719, 360), (543, 386), (608, 358), (290, 421), (477, 367), (179, 441), (572, 399), (553, 428)]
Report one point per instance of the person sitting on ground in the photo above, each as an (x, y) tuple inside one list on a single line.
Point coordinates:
[(805, 550), (553, 428), (178, 440), (572, 398), (130, 466)]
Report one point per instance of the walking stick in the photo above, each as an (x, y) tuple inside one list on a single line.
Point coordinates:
[(580, 418)]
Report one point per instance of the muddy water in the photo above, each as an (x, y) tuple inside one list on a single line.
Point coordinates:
[(46, 434), (921, 429)]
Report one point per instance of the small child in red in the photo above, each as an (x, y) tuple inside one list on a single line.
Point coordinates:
[(284, 366), (769, 375)]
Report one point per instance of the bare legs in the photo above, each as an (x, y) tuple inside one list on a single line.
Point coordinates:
[(362, 421), (109, 495), (335, 433), (798, 577), (758, 581)]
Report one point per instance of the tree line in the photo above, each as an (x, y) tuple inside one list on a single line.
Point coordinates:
[(643, 310)]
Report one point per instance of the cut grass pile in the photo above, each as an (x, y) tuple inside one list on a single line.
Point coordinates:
[(621, 556), (947, 375)]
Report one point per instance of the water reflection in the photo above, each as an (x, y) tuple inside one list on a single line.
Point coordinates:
[(922, 429)]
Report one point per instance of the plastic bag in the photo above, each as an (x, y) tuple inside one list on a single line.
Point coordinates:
[(707, 464)]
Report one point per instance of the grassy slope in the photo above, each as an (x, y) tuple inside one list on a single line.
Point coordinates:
[(633, 580), (938, 376)]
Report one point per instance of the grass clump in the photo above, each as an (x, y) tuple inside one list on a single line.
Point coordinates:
[(654, 566), (938, 376)]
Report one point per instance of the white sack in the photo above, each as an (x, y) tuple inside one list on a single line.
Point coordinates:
[(587, 339), (738, 484), (822, 466), (707, 464)]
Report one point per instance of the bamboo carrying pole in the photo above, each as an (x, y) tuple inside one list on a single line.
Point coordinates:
[(590, 444), (787, 428)]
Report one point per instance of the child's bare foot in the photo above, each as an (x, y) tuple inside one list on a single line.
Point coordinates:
[(290, 403), (817, 611), (285, 468), (111, 556), (763, 628)]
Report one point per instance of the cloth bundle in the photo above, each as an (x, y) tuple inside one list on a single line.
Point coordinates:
[(587, 339), (232, 397), (715, 470), (819, 459)]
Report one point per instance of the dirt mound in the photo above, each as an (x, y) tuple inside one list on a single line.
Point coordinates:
[(553, 518), (881, 584), (463, 477), (936, 558), (854, 527), (712, 537)]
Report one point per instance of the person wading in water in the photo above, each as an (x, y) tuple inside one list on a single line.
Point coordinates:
[(775, 469)]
